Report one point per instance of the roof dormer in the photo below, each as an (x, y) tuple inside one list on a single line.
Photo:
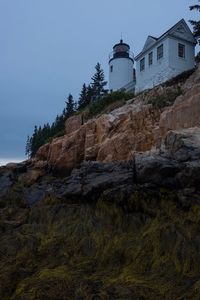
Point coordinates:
[(149, 42)]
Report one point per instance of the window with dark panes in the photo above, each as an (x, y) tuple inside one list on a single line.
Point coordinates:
[(150, 58), (160, 52), (142, 64), (181, 50)]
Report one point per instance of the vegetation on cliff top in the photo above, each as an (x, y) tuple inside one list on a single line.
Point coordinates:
[(93, 99), (91, 106), (45, 134), (196, 24)]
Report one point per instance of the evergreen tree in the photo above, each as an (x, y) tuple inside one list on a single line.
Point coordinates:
[(83, 99), (89, 94), (75, 106), (98, 82), (34, 141), (70, 106), (196, 24), (28, 147), (44, 134)]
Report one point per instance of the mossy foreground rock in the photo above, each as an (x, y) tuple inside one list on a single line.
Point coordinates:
[(146, 248), (118, 230)]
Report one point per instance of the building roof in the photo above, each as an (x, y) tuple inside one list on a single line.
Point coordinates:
[(180, 31), (149, 42), (121, 43)]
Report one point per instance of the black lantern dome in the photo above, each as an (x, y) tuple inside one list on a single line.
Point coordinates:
[(121, 50)]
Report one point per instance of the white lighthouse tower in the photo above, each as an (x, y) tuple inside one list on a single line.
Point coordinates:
[(121, 72)]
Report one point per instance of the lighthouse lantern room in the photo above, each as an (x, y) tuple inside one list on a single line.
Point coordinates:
[(121, 72)]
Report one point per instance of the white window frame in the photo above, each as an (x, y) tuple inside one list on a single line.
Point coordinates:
[(142, 64), (150, 58), (160, 52), (181, 47)]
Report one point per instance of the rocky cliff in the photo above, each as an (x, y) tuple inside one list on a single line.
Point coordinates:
[(115, 230), (119, 135), (122, 222), (174, 166)]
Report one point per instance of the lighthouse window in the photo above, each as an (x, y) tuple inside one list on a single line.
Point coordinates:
[(142, 64), (111, 68)]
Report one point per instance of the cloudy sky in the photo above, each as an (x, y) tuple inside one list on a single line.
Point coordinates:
[(48, 49)]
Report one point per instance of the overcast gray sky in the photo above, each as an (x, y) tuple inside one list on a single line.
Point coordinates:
[(48, 49)]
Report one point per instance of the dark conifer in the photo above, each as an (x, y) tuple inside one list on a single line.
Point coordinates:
[(196, 24), (34, 141), (69, 106), (98, 82), (75, 106), (89, 94), (83, 99), (28, 146)]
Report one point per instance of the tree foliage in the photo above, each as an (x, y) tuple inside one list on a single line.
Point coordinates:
[(84, 98), (70, 106), (196, 24), (47, 132), (28, 146), (41, 135), (98, 82)]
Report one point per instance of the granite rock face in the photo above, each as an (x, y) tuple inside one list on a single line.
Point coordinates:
[(185, 112), (121, 134), (111, 137), (135, 144), (122, 222), (73, 124), (93, 179), (175, 166), (183, 145)]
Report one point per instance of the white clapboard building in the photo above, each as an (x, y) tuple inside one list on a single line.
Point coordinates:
[(161, 59)]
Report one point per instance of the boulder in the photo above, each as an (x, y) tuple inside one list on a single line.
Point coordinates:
[(183, 145), (185, 112), (67, 152), (156, 170), (18, 168), (73, 123), (43, 151), (30, 177), (192, 80), (94, 178)]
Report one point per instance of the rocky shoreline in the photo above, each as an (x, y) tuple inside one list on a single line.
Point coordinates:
[(111, 210), (175, 166), (115, 230)]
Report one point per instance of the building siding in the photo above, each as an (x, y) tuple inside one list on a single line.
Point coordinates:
[(165, 68), (155, 73), (178, 64)]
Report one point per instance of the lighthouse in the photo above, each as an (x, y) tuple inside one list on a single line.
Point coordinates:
[(121, 71)]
